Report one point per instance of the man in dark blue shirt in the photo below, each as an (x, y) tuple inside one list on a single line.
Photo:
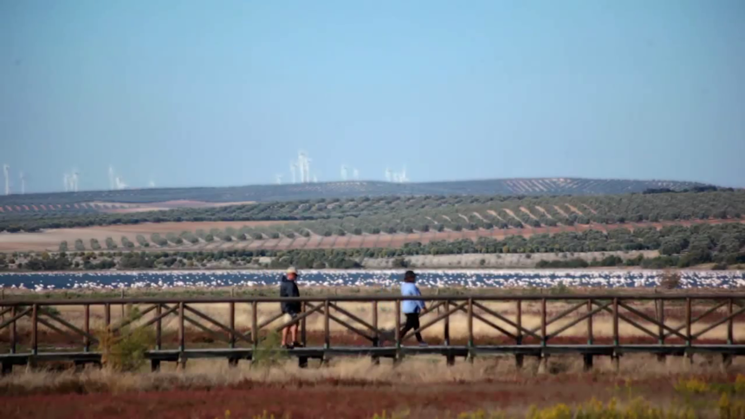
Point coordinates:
[(288, 288)]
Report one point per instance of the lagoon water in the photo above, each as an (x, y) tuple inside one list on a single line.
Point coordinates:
[(363, 278)]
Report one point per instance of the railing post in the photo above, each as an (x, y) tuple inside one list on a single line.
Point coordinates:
[(470, 324), (543, 363), (232, 324), (661, 320), (255, 324), (13, 331), (730, 323), (590, 334), (158, 328), (397, 328), (446, 326), (181, 363), (87, 328), (326, 325), (615, 322), (688, 321), (543, 322), (519, 321), (107, 315), (34, 329), (303, 329), (519, 358), (181, 330), (376, 335)]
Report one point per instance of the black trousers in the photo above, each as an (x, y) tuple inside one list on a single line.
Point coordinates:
[(412, 323)]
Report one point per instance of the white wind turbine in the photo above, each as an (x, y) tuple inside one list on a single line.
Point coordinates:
[(119, 183), (293, 167), (6, 171), (112, 178), (75, 178), (23, 183)]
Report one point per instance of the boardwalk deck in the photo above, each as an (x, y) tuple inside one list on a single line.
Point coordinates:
[(705, 311)]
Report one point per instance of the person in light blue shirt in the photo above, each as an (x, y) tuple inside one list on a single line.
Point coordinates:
[(411, 308)]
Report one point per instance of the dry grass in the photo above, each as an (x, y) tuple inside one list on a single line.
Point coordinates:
[(423, 370)]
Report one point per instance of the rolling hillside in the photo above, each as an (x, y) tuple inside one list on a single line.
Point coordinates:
[(106, 201)]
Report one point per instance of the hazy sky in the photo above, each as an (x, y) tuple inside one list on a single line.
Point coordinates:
[(195, 92)]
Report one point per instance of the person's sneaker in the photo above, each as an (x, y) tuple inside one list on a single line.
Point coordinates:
[(297, 345), (285, 346)]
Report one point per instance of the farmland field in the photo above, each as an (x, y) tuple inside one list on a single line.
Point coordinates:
[(422, 213), (267, 193)]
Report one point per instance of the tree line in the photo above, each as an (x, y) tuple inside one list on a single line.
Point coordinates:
[(721, 244)]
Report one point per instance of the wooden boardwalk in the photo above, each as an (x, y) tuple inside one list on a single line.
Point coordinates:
[(235, 342)]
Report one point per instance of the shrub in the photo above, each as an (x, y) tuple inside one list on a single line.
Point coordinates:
[(79, 246), (399, 262), (63, 247), (142, 241), (123, 348), (95, 245), (670, 280), (127, 243), (158, 240), (269, 352), (110, 244)]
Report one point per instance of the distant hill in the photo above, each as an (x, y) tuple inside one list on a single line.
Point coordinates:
[(98, 200)]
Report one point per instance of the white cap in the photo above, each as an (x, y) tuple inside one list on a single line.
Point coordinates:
[(291, 270)]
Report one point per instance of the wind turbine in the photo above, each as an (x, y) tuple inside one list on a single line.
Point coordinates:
[(388, 174), (307, 161), (23, 183), (293, 165), (75, 179), (344, 171), (279, 179), (112, 178), (6, 171), (302, 163), (119, 183), (356, 174)]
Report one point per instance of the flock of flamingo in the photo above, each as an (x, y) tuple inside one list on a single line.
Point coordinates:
[(367, 278)]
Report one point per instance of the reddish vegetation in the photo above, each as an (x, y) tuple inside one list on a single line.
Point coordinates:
[(332, 399)]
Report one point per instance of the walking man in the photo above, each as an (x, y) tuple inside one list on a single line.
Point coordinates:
[(288, 288), (411, 308)]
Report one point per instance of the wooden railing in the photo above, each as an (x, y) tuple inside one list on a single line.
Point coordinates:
[(507, 334)]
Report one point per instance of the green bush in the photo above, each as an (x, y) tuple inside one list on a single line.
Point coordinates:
[(123, 346), (269, 351)]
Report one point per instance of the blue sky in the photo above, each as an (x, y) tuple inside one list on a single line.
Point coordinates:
[(191, 92)]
